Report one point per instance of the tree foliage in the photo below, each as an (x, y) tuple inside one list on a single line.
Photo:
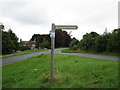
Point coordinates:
[(74, 44), (88, 41), (109, 42), (9, 41), (42, 41), (62, 39), (1, 26)]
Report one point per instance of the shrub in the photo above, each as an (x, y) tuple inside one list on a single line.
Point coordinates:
[(22, 48)]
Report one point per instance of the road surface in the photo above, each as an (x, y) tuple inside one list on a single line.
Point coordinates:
[(13, 59)]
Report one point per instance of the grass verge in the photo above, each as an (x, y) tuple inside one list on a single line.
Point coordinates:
[(21, 53), (81, 51), (70, 72)]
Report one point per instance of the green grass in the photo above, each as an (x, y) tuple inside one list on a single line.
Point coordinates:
[(21, 53), (70, 72), (61, 48), (82, 51)]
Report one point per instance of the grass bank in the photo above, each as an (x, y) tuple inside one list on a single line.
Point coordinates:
[(70, 72), (81, 51), (23, 52)]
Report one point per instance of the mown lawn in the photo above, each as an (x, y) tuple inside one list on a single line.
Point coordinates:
[(23, 52), (70, 72), (82, 51)]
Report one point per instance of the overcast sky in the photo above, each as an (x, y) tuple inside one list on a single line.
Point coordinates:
[(28, 17)]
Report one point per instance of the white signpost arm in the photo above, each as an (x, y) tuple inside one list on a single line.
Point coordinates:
[(73, 27)]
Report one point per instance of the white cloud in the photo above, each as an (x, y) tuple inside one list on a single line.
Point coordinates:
[(28, 17), (25, 13)]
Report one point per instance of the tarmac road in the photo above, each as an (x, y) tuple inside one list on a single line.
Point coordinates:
[(13, 59)]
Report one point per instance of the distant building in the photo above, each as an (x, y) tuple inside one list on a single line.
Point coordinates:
[(30, 44)]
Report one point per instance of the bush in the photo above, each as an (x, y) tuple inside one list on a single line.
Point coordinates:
[(22, 48), (100, 44), (46, 44), (107, 42), (74, 44)]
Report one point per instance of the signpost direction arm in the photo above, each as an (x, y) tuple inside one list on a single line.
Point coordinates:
[(66, 27)]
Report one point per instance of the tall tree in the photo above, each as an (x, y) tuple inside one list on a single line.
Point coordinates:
[(41, 40), (14, 39), (88, 41), (108, 41), (9, 42), (62, 38)]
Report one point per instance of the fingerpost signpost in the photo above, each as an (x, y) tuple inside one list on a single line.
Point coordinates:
[(52, 35)]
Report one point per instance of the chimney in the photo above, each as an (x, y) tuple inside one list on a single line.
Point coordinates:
[(20, 40)]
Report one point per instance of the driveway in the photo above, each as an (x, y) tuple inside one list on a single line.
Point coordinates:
[(13, 59)]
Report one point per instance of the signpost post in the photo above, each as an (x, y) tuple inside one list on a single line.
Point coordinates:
[(52, 35)]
